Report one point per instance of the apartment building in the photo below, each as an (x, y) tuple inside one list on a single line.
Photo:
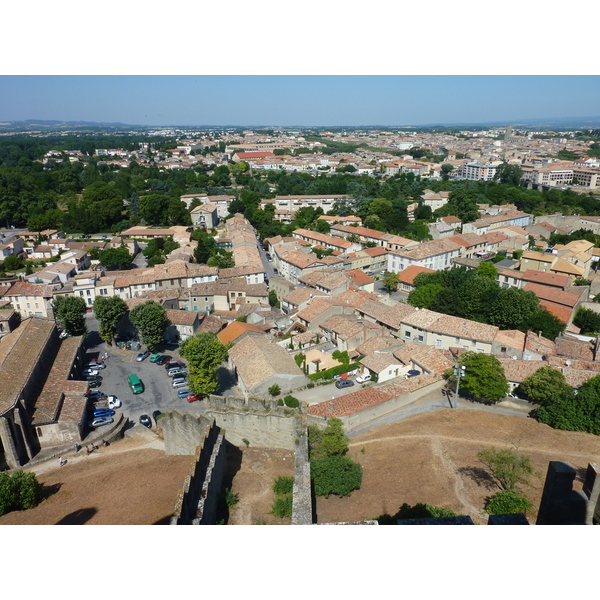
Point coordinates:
[(326, 241), (293, 203), (436, 255), (476, 170), (205, 216), (30, 299)]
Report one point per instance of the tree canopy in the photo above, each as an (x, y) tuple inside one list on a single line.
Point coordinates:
[(204, 353), (150, 319), (109, 311), (70, 314), (483, 376), (507, 466)]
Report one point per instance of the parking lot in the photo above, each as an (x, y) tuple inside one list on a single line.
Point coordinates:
[(158, 392)]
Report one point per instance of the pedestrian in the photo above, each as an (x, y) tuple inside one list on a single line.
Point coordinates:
[(77, 447), (94, 446)]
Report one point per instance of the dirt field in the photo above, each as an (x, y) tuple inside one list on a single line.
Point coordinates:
[(430, 457)]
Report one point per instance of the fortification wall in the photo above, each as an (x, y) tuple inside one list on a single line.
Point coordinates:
[(197, 501), (182, 431), (302, 501), (259, 421)]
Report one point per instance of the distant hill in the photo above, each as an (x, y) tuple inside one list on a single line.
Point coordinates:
[(557, 123)]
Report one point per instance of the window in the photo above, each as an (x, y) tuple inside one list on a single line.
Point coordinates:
[(407, 334), (420, 338), (438, 343)]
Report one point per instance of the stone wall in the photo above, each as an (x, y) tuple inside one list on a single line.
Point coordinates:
[(182, 431), (302, 501), (197, 502), (259, 421)]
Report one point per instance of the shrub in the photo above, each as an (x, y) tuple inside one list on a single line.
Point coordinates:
[(329, 373), (507, 502), (274, 390), (418, 511), (282, 506), (291, 401), (19, 491), (336, 475), (283, 485), (231, 499)]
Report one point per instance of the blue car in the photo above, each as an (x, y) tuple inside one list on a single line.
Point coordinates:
[(104, 412), (183, 393)]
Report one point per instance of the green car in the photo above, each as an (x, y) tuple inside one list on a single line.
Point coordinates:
[(155, 357)]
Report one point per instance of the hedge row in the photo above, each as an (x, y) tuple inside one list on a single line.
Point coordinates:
[(329, 373)]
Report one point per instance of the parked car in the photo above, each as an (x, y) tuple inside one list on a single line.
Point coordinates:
[(175, 372), (193, 398), (342, 383), (184, 393), (179, 382), (172, 364), (94, 383), (155, 415), (155, 357), (363, 378), (142, 355), (96, 395), (114, 402), (90, 372), (275, 271), (103, 412), (94, 378), (95, 364), (100, 421), (63, 335), (145, 420), (163, 359)]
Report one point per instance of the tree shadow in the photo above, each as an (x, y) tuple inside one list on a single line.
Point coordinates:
[(78, 517), (50, 490), (480, 476)]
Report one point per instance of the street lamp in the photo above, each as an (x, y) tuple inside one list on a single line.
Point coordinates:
[(458, 371)]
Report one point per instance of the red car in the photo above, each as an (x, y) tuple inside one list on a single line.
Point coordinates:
[(193, 398)]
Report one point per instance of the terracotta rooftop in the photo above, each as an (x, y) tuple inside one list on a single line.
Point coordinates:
[(408, 275), (370, 396), (235, 329)]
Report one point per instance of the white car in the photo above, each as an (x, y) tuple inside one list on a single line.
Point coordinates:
[(88, 372), (114, 402), (95, 365), (179, 382), (363, 378)]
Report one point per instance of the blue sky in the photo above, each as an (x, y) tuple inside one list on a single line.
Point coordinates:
[(302, 100)]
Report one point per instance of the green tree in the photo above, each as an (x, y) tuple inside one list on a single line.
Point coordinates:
[(506, 466), (390, 281), (275, 390), (540, 387), (483, 376), (70, 314), (513, 308), (574, 410), (204, 353), (424, 295), (115, 258), (150, 319), (587, 319), (109, 311), (488, 270), (546, 324), (509, 174)]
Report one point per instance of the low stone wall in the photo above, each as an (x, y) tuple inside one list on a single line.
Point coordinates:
[(197, 502)]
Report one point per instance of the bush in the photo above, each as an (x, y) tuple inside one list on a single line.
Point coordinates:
[(19, 491), (329, 373), (336, 475), (274, 390), (231, 499), (507, 502), (291, 401), (283, 485), (282, 506), (418, 511)]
